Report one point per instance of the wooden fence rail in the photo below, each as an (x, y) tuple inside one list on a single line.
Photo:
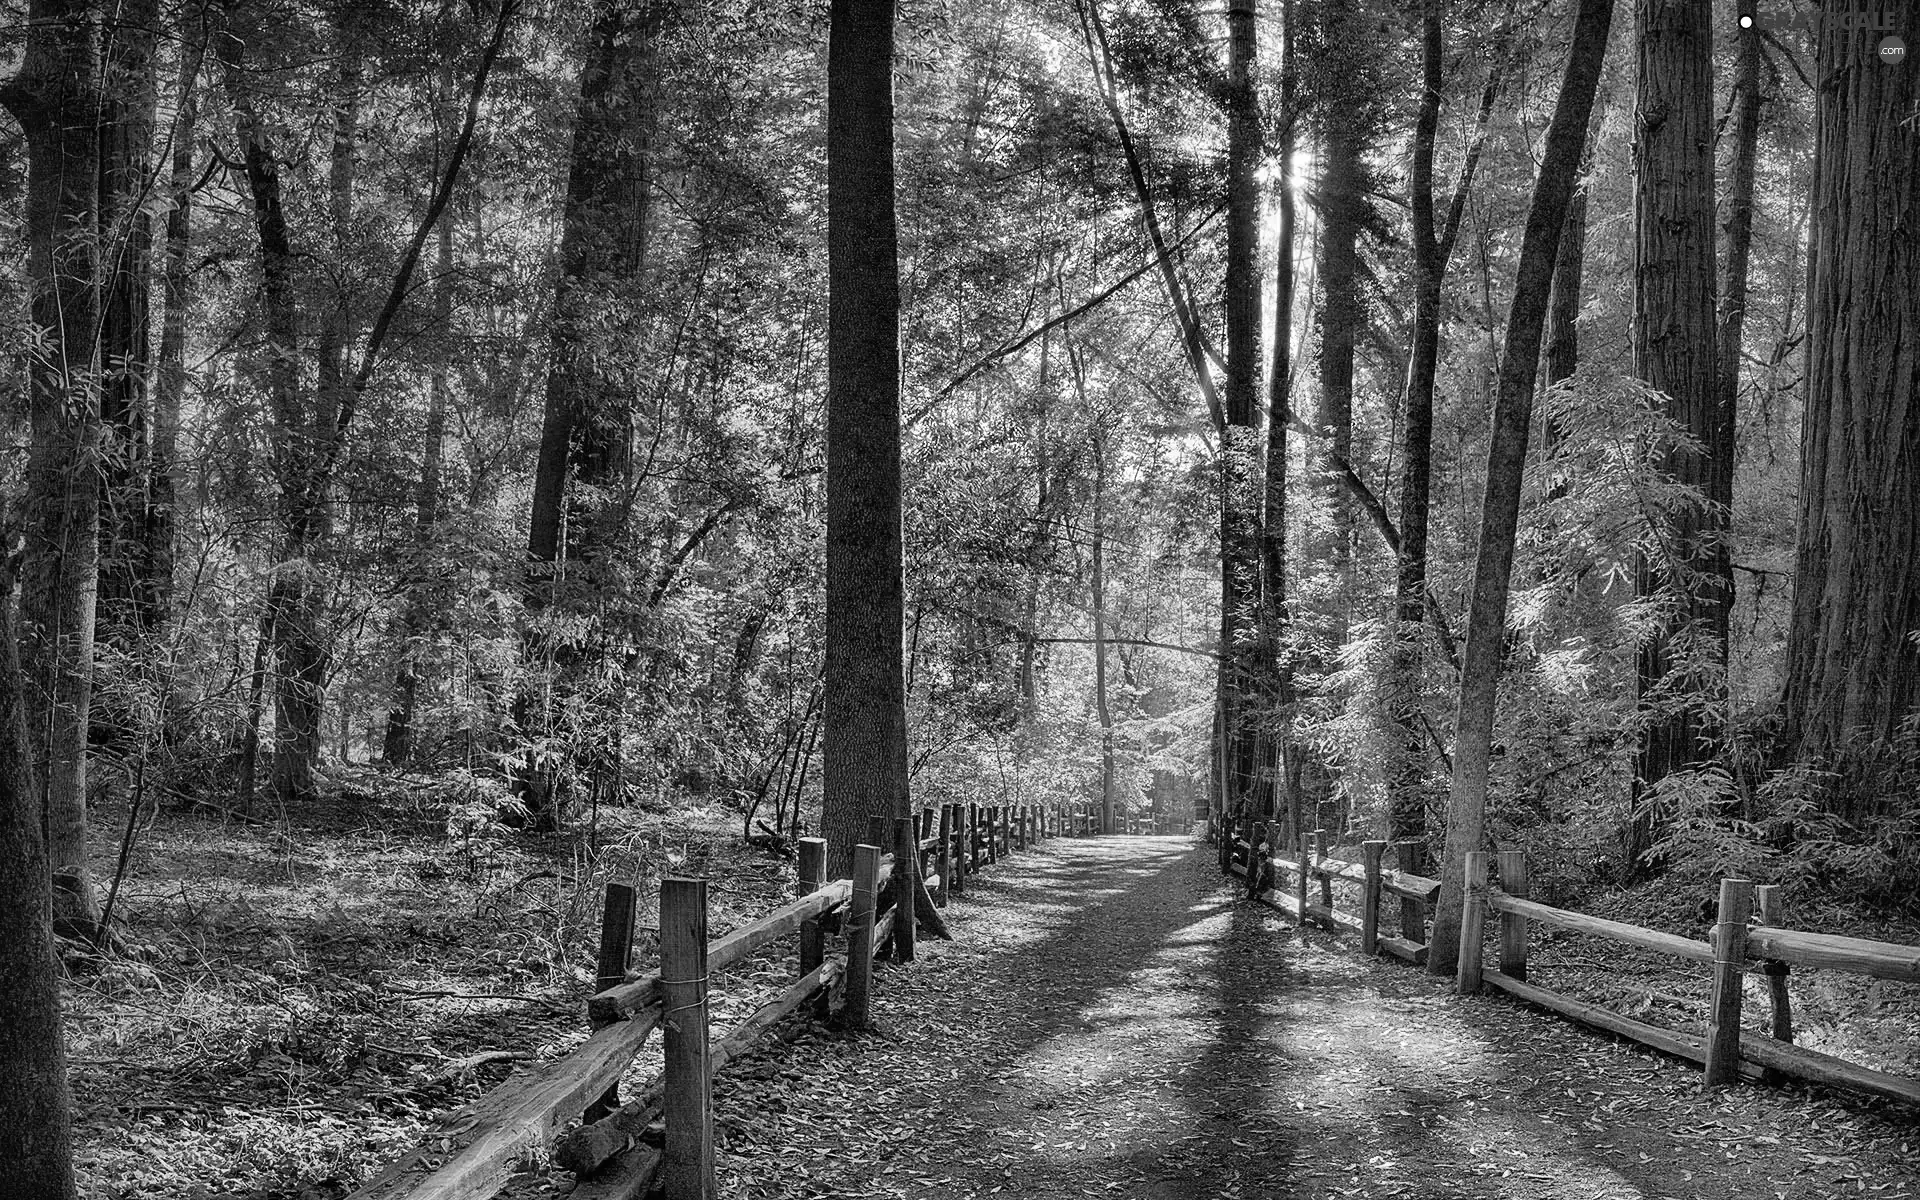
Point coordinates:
[(1414, 892), (1725, 1052), (617, 1149), (1748, 932)]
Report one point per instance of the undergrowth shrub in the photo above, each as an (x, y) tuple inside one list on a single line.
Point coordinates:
[(1850, 831)]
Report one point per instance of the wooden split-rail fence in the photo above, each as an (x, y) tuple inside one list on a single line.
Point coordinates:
[(1293, 879), (1749, 931), (619, 1149)]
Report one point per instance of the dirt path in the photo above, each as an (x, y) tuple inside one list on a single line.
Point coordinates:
[(1111, 1022)]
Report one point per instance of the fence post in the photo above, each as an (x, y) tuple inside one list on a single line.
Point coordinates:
[(1407, 856), (687, 1166), (943, 855), (960, 835), (813, 877), (1473, 922), (616, 951), (1370, 853), (1766, 898), (1018, 821), (906, 861), (1513, 926), (860, 910), (1729, 957), (1302, 876), (1326, 881)]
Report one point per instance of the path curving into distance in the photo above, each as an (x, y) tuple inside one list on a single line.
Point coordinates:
[(1111, 1021)]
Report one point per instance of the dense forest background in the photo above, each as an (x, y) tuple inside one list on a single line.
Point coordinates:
[(449, 391), (443, 389), (433, 397)]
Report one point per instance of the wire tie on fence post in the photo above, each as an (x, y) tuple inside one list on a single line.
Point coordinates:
[(666, 1017)]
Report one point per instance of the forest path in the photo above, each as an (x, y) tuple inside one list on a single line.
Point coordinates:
[(1112, 1021)]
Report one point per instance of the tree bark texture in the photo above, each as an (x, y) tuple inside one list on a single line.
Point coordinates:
[(1342, 213), (864, 709), (1680, 675), (55, 96), (1275, 663), (36, 1108), (1853, 648), (1506, 469), (1240, 482), (1406, 804)]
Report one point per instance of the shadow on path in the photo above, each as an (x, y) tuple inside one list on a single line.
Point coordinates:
[(1112, 1022)]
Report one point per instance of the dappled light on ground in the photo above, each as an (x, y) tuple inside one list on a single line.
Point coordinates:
[(1114, 1022)]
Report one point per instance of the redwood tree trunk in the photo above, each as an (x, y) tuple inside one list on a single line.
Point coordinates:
[(1342, 210), (1506, 470), (1406, 806), (864, 707), (1853, 661), (1275, 686), (1676, 350), (55, 96), (1240, 490)]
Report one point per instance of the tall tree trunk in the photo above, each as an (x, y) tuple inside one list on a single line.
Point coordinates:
[(864, 706), (1407, 807), (1240, 481), (1853, 661), (1433, 238), (416, 615), (1275, 686), (1506, 469), (587, 429), (1342, 212), (36, 1108), (1679, 683), (128, 98), (298, 592), (1103, 709), (397, 747), (159, 529), (55, 96), (1738, 233)]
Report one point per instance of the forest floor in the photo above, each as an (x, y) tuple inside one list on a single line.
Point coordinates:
[(299, 1001)]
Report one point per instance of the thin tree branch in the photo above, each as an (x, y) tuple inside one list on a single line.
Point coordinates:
[(1025, 339), (410, 261), (1100, 58)]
